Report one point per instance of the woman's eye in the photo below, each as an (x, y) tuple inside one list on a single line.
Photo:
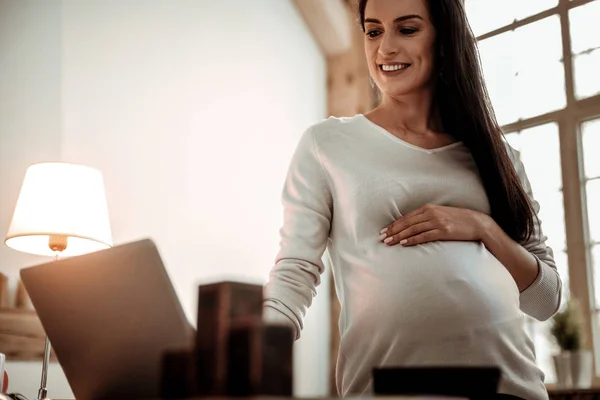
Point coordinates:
[(407, 31), (372, 33)]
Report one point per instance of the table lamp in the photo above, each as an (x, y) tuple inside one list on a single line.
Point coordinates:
[(61, 211)]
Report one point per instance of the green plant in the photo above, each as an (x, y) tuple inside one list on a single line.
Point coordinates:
[(567, 327)]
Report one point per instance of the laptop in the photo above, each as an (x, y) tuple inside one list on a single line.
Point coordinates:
[(110, 316)]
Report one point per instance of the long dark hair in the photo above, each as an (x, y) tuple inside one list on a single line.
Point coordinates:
[(461, 99)]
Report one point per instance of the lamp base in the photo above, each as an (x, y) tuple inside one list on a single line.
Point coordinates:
[(42, 394)]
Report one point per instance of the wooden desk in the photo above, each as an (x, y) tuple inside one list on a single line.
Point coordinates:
[(324, 398), (327, 398)]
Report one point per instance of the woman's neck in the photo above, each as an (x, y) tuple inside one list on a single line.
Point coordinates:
[(411, 113)]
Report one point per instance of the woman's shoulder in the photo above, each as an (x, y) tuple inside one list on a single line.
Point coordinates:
[(515, 158), (334, 126), (513, 154)]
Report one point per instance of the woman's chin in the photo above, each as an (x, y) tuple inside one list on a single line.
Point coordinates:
[(403, 89), (398, 91)]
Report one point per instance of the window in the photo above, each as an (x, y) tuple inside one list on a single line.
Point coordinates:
[(541, 64)]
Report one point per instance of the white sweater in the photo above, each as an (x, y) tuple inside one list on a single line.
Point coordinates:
[(435, 304)]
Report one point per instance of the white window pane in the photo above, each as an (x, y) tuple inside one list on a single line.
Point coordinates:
[(540, 77), (523, 71), (539, 43), (541, 90), (552, 215), (488, 15), (500, 68), (498, 54), (528, 8), (596, 269), (593, 208), (587, 77), (591, 144), (583, 21), (504, 102), (540, 153)]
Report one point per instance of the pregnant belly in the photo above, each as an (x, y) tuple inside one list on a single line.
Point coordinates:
[(435, 289)]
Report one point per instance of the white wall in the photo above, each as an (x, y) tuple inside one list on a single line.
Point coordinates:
[(30, 131), (30, 103), (191, 109)]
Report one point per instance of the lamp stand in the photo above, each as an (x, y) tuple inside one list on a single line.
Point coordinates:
[(57, 244), (43, 392)]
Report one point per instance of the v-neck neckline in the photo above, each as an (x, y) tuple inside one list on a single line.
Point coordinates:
[(404, 142)]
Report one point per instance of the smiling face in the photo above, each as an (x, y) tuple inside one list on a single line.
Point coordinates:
[(399, 46)]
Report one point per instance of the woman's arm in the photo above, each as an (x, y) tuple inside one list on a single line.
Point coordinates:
[(531, 265), (522, 265), (541, 296), (307, 204)]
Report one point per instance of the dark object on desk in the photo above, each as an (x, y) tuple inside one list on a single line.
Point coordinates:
[(574, 394), (178, 375), (471, 382), (260, 360), (219, 305)]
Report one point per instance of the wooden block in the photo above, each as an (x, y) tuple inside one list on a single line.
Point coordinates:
[(260, 360), (22, 298), (4, 295), (22, 337), (219, 305), (178, 374)]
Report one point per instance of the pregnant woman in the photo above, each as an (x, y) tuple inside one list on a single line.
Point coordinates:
[(427, 214)]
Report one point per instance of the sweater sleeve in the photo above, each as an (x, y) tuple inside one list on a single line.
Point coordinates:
[(542, 298), (307, 205)]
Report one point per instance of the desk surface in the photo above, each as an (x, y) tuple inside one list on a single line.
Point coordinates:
[(336, 398), (327, 398)]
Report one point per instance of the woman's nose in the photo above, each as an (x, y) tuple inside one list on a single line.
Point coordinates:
[(387, 46)]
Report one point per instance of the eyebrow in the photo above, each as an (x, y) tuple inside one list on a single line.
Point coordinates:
[(399, 19)]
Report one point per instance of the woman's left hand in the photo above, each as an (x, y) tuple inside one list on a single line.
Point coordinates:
[(430, 223)]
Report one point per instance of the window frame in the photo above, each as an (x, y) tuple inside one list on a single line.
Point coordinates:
[(569, 121)]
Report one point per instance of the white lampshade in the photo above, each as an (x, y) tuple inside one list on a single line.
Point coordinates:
[(65, 200)]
